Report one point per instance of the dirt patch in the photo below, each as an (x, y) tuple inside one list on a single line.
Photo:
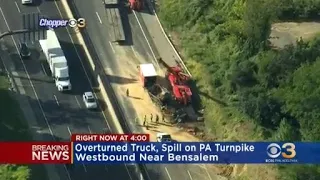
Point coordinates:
[(286, 33)]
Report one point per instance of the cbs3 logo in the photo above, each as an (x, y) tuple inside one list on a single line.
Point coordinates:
[(81, 23), (274, 150)]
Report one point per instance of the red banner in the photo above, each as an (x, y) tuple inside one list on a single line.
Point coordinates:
[(110, 137), (35, 153)]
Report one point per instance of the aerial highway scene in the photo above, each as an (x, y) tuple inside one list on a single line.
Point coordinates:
[(179, 71)]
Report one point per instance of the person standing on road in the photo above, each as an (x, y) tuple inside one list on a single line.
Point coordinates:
[(144, 122), (151, 117), (157, 118), (127, 92)]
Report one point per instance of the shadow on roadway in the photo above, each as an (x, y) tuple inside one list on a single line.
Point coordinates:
[(124, 13), (35, 79), (62, 114), (15, 57), (49, 137), (37, 2), (59, 115), (78, 77), (120, 80), (123, 10)]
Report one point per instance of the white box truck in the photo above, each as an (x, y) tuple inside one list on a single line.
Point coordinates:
[(56, 60)]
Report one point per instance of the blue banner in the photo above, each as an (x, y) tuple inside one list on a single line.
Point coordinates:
[(196, 152)]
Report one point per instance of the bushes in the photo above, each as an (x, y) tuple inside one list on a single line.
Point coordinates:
[(276, 90), (13, 172), (299, 9)]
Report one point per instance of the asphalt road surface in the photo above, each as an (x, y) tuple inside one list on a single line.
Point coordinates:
[(58, 114), (136, 50), (161, 47)]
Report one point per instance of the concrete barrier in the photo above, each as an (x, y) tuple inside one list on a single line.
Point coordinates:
[(105, 95), (91, 62), (109, 104)]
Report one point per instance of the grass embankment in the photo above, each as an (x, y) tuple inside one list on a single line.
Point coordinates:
[(13, 127), (267, 94)]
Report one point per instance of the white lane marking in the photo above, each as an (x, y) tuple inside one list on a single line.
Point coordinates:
[(17, 6), (89, 130), (189, 175), (112, 47), (87, 75), (200, 166), (125, 165), (69, 130), (38, 10), (167, 173), (154, 56), (205, 168), (65, 168), (44, 71), (33, 88), (77, 101), (99, 18), (84, 69), (207, 172), (134, 52), (25, 69), (84, 167), (55, 97)]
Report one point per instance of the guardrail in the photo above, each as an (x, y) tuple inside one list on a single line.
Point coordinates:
[(166, 36), (104, 84)]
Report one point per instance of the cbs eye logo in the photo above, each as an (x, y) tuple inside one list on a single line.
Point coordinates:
[(81, 23), (274, 150)]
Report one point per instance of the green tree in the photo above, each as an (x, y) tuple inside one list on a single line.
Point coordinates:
[(13, 172), (286, 132), (301, 96), (299, 172), (273, 90), (257, 17)]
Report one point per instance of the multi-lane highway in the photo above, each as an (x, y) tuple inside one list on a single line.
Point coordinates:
[(58, 114), (119, 63)]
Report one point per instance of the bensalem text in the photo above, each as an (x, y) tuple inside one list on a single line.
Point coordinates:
[(145, 157)]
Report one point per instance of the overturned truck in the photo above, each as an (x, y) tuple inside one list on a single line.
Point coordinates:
[(161, 96)]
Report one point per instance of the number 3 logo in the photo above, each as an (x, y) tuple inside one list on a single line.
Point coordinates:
[(291, 149), (81, 22)]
